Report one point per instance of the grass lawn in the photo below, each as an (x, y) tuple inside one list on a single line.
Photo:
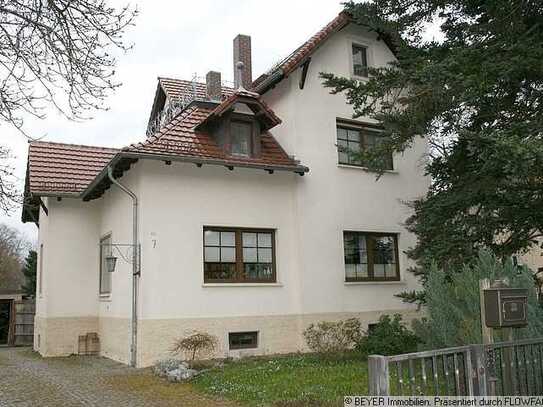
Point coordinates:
[(287, 380)]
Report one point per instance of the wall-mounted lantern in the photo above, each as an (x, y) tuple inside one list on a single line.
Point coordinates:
[(111, 261)]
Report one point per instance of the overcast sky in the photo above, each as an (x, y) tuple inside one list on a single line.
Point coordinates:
[(176, 39)]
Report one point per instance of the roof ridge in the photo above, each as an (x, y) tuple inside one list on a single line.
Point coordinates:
[(57, 143), (189, 81)]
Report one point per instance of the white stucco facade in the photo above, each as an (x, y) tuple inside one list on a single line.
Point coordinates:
[(309, 215)]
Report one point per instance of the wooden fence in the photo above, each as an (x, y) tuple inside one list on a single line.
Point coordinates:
[(507, 368), (24, 322)]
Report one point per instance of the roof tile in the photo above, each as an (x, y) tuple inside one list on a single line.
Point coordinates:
[(64, 168)]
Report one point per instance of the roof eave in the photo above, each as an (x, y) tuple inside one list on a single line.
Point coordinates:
[(298, 169), (215, 161), (274, 78)]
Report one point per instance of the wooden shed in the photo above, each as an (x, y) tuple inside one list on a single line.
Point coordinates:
[(16, 318)]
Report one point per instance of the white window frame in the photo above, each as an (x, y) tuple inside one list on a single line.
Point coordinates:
[(369, 56)]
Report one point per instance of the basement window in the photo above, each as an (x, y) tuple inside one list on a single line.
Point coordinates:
[(243, 340)]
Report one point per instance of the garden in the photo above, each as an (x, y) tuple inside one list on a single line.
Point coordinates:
[(337, 364)]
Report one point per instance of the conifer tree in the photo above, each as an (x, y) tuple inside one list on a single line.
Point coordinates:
[(29, 270)]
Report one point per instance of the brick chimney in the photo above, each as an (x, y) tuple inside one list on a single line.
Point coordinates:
[(242, 53), (213, 85)]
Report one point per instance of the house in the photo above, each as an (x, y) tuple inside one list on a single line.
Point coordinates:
[(237, 215)]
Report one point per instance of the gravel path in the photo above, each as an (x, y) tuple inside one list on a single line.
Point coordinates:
[(26, 379)]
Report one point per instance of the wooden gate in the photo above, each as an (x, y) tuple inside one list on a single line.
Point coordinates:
[(24, 322)]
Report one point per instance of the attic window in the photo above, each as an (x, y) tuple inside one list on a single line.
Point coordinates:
[(360, 60), (240, 138)]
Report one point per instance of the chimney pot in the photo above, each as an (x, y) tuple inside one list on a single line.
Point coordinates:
[(242, 53), (213, 85)]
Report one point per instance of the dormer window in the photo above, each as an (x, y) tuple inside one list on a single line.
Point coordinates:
[(241, 133), (360, 60), (238, 123)]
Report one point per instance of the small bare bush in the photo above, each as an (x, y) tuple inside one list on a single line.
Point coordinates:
[(195, 345), (333, 337)]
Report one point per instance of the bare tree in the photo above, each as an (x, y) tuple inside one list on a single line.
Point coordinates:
[(9, 193), (55, 53), (58, 52), (13, 249)]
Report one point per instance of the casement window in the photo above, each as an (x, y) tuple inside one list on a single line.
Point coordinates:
[(243, 340), (360, 60), (40, 280), (241, 133), (371, 256), (105, 276), (238, 255), (353, 139)]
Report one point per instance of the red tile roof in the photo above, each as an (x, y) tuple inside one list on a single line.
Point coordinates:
[(268, 117), (291, 62), (179, 88), (179, 138), (64, 168)]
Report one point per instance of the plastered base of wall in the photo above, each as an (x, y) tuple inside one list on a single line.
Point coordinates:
[(60, 336), (276, 333), (114, 334)]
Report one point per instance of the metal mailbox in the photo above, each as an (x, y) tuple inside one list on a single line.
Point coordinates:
[(506, 307)]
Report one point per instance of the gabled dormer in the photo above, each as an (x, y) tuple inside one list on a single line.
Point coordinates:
[(238, 123)]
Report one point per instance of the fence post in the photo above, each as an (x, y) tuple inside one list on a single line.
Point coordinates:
[(478, 370), (378, 375)]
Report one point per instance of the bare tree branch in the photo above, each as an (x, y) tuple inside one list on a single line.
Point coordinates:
[(58, 53)]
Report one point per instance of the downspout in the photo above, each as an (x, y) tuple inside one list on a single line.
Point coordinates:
[(135, 266)]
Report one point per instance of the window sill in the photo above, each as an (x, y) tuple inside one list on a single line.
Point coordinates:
[(360, 78), (375, 282), (104, 297), (209, 285), (358, 167)]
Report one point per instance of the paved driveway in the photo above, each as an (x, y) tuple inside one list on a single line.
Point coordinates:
[(26, 379)]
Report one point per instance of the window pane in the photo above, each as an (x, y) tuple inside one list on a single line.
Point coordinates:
[(264, 240), (360, 60), (341, 133), (258, 271), (249, 239), (379, 270), (211, 254), (241, 138), (353, 135), (249, 255), (219, 271), (390, 270), (251, 271), (228, 239), (105, 276), (383, 251), (343, 145), (266, 271), (384, 257), (354, 271), (264, 255), (211, 238), (228, 254)]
